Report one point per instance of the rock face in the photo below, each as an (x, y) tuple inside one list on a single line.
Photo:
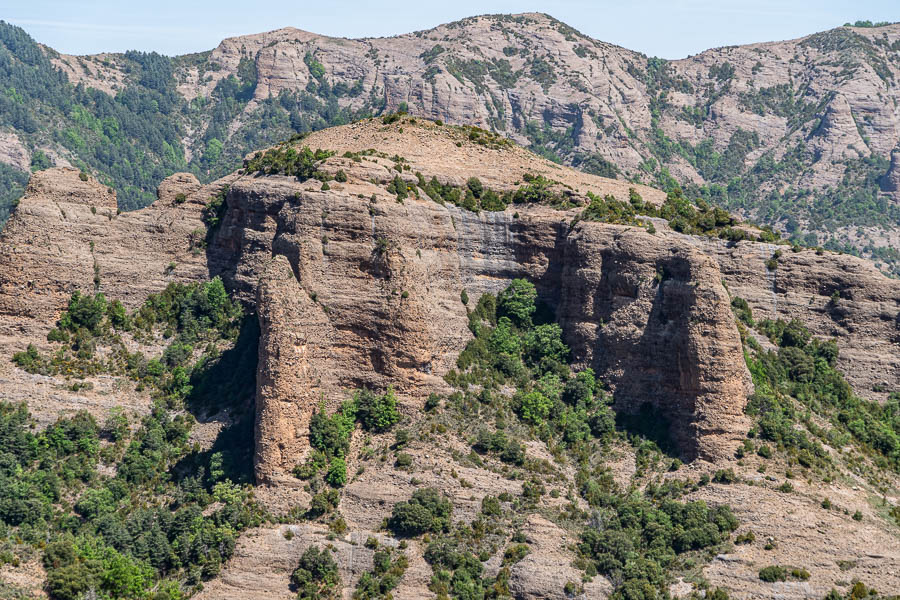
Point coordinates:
[(353, 287), (836, 295), (66, 230), (295, 338), (377, 284), (65, 235), (540, 81), (651, 314), (367, 292), (356, 289), (891, 181)]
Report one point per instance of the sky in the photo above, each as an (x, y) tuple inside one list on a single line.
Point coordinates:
[(665, 28)]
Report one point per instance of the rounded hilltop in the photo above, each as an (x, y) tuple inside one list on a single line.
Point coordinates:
[(454, 154)]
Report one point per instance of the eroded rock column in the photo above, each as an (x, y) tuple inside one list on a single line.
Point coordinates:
[(294, 335)]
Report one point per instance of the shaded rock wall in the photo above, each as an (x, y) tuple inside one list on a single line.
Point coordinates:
[(368, 293), (359, 292), (650, 314)]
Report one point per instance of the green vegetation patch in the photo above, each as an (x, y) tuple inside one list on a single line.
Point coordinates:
[(287, 160), (801, 376), (517, 368), (329, 436)]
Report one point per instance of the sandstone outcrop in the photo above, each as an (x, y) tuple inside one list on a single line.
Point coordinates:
[(650, 313), (66, 230), (296, 340), (376, 286), (66, 235), (836, 295)]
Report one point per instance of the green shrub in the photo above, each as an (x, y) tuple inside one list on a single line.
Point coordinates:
[(509, 450), (375, 412), (337, 472), (515, 553), (533, 406), (314, 463), (398, 187), (427, 510), (742, 311), (432, 402), (118, 318), (773, 573), (724, 476), (287, 160), (331, 434), (490, 506), (748, 537), (517, 302), (84, 311), (317, 576), (401, 438), (388, 566), (323, 503)]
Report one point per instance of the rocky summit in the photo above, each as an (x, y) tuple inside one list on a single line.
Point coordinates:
[(405, 359)]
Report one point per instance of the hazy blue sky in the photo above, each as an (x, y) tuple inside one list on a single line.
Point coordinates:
[(666, 28)]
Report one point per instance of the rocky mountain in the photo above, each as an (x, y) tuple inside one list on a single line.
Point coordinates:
[(801, 134), (404, 357)]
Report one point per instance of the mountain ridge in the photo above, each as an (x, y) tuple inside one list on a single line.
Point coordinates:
[(798, 134)]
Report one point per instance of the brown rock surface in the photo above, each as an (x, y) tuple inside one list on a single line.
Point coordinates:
[(353, 291), (390, 314), (64, 226), (294, 366), (63, 229), (650, 314), (833, 547), (671, 339), (864, 318)]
